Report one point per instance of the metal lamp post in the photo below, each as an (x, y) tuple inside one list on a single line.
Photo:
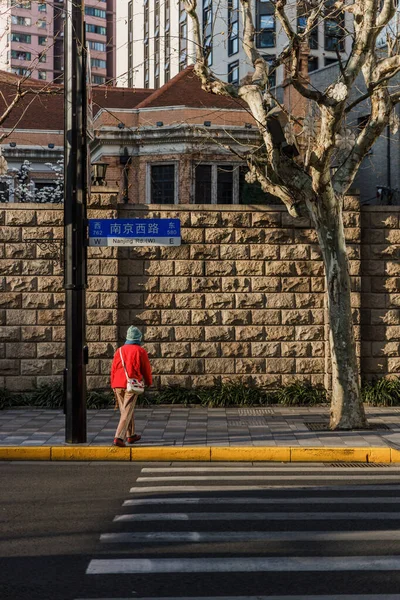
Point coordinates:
[(75, 222)]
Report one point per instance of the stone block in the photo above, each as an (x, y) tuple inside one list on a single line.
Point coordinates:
[(159, 267), (249, 267), (101, 350), (206, 284), (351, 219), (175, 284), (296, 317), (50, 217), (38, 333), (111, 300), (280, 365), (295, 349), (253, 333), (310, 332), (219, 236), (316, 252), (36, 367), (93, 267), (126, 267), (296, 378), (190, 268), (59, 300), (235, 349), (265, 317), (375, 268), (250, 236), (219, 300), (317, 349), (206, 317), (219, 334), (175, 317), (175, 350), (219, 365), (162, 365), (36, 267), (175, 252), (388, 317), (389, 349), (190, 365), (268, 381), (254, 300), (280, 333), (142, 284), (158, 334), (235, 317), (236, 284), (266, 219), (10, 267), (101, 316), (20, 350), (310, 365), (98, 382), (206, 219), (50, 350), (204, 252), (108, 267), (10, 300), (21, 217), (183, 334), (10, 334), (142, 317), (279, 236), (47, 284), (236, 219), (305, 236), (223, 268), (310, 268), (173, 380), (58, 334), (317, 284), (203, 350), (22, 284), (280, 268), (265, 349), (300, 252), (394, 365), (264, 252), (9, 367), (108, 333), (189, 300), (376, 365), (384, 220), (21, 317), (295, 284), (150, 300), (204, 381), (392, 269), (192, 236), (265, 284), (37, 300), (10, 234), (309, 300), (250, 365), (234, 252), (280, 300)]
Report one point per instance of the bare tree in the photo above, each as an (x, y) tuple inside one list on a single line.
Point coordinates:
[(308, 179)]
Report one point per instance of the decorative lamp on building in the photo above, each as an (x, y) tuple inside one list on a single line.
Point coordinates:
[(99, 171)]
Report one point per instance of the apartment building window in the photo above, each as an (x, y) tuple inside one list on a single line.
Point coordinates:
[(207, 30), (41, 23), (329, 61), (265, 25), (162, 184), (233, 27), (21, 72), (216, 184), (98, 29), (270, 60), (42, 40), (42, 6), (42, 75), (95, 12), (20, 55), (233, 73), (302, 15), (23, 4), (157, 44), (98, 79), (312, 63), (146, 50), (98, 63), (98, 46), (43, 57), (333, 28), (24, 21), (22, 38), (182, 36), (167, 41)]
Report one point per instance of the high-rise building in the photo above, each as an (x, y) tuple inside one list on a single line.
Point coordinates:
[(158, 42), (31, 38)]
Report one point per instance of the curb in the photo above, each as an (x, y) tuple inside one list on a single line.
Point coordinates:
[(200, 453)]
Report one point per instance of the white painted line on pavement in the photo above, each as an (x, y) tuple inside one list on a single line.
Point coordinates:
[(182, 478), (249, 488), (276, 500), (248, 536), (260, 516), (274, 469), (243, 564)]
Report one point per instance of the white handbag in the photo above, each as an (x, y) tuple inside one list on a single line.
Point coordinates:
[(132, 385)]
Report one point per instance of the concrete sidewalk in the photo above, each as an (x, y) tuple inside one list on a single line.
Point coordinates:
[(177, 426)]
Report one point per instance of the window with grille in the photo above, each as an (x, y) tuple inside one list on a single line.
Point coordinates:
[(162, 180)]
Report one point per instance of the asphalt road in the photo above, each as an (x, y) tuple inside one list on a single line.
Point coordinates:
[(74, 531)]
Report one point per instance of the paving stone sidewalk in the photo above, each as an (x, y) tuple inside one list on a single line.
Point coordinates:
[(180, 426)]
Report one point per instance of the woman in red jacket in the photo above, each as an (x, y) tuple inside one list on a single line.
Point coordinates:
[(138, 367)]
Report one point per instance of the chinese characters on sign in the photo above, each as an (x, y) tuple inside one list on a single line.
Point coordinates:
[(134, 232)]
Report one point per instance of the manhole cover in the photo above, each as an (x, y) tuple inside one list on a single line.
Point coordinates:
[(246, 422), (358, 465), (255, 411), (324, 426)]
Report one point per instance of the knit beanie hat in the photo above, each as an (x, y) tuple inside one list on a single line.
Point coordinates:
[(133, 334)]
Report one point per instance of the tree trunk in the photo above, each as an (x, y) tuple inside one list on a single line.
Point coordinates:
[(347, 411)]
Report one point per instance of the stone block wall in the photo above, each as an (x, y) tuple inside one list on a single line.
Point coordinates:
[(242, 298)]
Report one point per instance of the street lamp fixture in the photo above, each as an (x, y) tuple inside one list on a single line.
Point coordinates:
[(99, 170)]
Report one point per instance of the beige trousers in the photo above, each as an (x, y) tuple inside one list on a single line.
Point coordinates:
[(126, 404)]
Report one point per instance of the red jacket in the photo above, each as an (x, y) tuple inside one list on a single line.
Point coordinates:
[(137, 365)]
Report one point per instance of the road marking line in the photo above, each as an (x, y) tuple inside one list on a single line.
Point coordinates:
[(281, 500), (248, 488), (248, 536), (260, 516), (183, 478), (303, 597), (250, 468), (243, 564)]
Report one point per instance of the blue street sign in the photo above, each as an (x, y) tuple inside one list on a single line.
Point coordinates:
[(134, 232)]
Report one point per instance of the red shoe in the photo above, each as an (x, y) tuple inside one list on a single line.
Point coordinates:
[(133, 439), (118, 442)]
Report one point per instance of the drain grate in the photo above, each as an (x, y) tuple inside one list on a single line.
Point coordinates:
[(358, 465), (324, 426), (246, 422), (243, 412)]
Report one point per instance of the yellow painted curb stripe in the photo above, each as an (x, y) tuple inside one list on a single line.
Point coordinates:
[(200, 453)]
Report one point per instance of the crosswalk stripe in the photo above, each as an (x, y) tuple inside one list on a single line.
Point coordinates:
[(243, 564), (277, 500), (182, 478), (260, 516), (248, 488), (248, 536)]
